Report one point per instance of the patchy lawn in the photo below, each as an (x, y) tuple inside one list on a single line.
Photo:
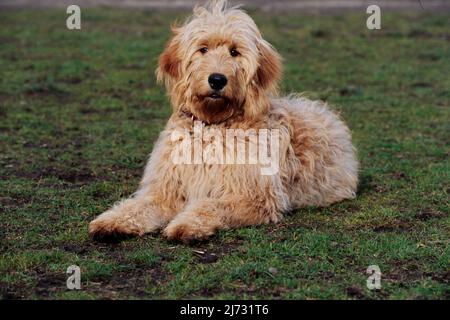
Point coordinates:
[(80, 112)]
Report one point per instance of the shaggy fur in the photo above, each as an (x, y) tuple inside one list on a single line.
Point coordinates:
[(317, 160)]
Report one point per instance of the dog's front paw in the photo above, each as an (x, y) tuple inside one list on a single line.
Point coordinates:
[(111, 230), (187, 232)]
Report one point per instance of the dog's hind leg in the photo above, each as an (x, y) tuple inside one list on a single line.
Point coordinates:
[(135, 216), (203, 218)]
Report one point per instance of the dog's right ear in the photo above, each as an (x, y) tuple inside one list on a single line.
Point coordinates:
[(169, 62)]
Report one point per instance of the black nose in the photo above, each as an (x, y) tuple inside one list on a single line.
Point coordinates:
[(217, 81)]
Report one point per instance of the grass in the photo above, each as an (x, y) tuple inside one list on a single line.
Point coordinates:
[(80, 111)]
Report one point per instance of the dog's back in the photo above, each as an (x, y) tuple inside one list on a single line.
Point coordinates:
[(321, 164)]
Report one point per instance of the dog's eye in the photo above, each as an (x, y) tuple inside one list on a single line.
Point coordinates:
[(234, 53), (203, 50)]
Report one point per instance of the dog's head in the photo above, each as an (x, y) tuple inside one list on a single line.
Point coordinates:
[(217, 65)]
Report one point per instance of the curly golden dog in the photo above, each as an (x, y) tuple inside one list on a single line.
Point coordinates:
[(222, 77)]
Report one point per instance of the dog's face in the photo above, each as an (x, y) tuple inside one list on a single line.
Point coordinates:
[(217, 65)]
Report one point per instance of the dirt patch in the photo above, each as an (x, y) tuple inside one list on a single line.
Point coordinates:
[(400, 176), (355, 292), (427, 214), (410, 270), (276, 293), (394, 226), (89, 110), (9, 292), (49, 283), (129, 283), (72, 175), (320, 33), (441, 277), (90, 246), (242, 290), (326, 275), (8, 202), (45, 284), (421, 85), (350, 90), (213, 251), (127, 172), (416, 33), (366, 185), (132, 280), (207, 292)]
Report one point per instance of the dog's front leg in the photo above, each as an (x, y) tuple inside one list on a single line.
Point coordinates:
[(203, 218), (131, 217)]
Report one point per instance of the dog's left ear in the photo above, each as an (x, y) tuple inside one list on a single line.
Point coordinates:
[(169, 62), (269, 67)]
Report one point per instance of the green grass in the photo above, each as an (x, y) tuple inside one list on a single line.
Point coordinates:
[(80, 112)]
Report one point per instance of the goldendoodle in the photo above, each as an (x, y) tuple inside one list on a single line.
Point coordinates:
[(222, 79)]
